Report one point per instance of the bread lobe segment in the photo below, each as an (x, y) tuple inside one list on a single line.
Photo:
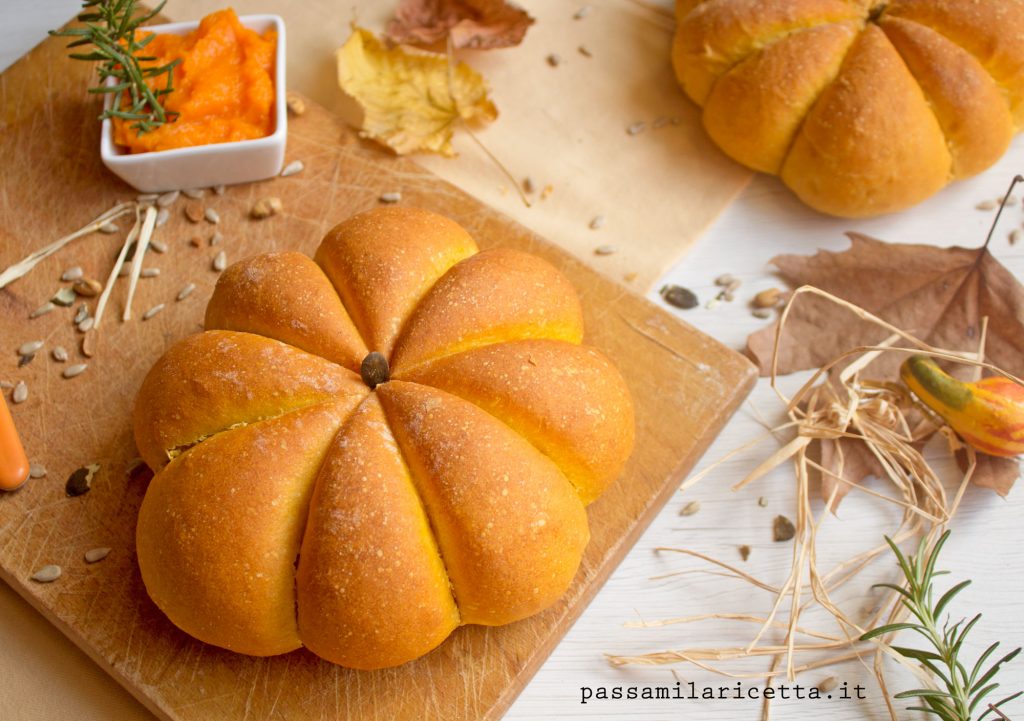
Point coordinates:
[(568, 401), (219, 530), (510, 527), (372, 588), (287, 297), (212, 381)]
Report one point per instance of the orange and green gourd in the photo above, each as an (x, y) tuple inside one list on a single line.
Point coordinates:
[(987, 414)]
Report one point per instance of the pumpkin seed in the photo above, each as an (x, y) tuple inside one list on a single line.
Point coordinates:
[(76, 370), (86, 325), (194, 212), (390, 197), (30, 347), (220, 261), (296, 105), (95, 555), (186, 291), (680, 297), (72, 273), (211, 215), (149, 273), (59, 354), (20, 393), (64, 297), (216, 238), (296, 166), (690, 508), (605, 250), (80, 481), (152, 311), (42, 310), (87, 287), (162, 216), (167, 199), (47, 574), (266, 207), (158, 245), (109, 228), (597, 222), (36, 470), (744, 551), (783, 529), (193, 193)]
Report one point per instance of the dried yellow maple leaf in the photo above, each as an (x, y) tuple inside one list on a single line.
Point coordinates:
[(412, 99)]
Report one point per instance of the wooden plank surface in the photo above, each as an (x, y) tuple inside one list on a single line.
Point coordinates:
[(685, 386)]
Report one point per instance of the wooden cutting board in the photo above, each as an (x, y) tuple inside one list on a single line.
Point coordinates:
[(685, 386)]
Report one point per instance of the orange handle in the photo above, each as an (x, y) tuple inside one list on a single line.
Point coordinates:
[(13, 461)]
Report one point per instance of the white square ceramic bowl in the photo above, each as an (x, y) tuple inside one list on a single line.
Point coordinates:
[(203, 166)]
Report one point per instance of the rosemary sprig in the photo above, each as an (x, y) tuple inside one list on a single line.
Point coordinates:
[(963, 690), (109, 27)]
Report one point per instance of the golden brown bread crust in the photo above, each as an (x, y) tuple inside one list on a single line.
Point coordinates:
[(929, 91), (219, 530), (285, 296), (417, 509)]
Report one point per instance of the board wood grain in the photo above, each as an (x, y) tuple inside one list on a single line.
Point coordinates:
[(685, 385)]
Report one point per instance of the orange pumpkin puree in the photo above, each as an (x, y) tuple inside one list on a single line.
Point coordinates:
[(223, 86)]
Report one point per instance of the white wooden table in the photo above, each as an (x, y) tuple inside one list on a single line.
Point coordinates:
[(987, 543)]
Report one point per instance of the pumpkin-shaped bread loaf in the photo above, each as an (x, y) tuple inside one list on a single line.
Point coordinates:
[(364, 451), (862, 107)]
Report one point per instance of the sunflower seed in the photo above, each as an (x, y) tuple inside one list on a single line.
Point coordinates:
[(42, 310), (195, 241), (986, 205), (186, 291), (296, 105), (47, 574), (147, 197), (26, 359), (162, 216), (149, 272), (581, 13), (86, 325), (152, 311), (211, 215), (768, 298), (167, 199), (81, 314), (783, 529), (87, 287), (528, 186), (390, 197), (95, 555), (59, 354), (762, 502), (605, 250), (72, 273), (679, 297), (20, 393), (266, 207), (194, 212), (88, 346), (109, 228), (76, 370), (80, 481), (194, 193), (636, 128), (216, 238), (554, 60), (30, 347), (597, 222), (219, 189), (690, 508), (158, 245), (65, 296), (1015, 236), (220, 261), (296, 166), (744, 551), (585, 51), (36, 470)]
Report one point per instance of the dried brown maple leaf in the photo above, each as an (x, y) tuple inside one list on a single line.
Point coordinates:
[(475, 24), (939, 295)]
